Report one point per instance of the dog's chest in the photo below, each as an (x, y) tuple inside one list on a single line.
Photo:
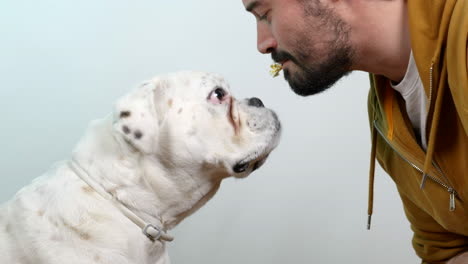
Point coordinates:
[(58, 217)]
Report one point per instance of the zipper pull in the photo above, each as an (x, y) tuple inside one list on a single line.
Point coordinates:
[(452, 199), (423, 181)]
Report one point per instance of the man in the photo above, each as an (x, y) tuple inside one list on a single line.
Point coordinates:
[(416, 54)]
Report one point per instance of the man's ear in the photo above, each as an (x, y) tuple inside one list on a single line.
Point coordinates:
[(136, 119)]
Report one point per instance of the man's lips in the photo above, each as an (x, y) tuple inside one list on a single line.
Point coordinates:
[(283, 63)]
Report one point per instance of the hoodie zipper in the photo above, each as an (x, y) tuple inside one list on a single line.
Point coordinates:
[(423, 181), (451, 191)]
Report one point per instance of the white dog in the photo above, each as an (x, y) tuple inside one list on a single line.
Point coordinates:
[(136, 175)]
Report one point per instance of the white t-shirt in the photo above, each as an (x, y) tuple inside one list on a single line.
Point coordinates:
[(412, 90)]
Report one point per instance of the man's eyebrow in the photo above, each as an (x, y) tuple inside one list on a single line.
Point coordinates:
[(251, 6)]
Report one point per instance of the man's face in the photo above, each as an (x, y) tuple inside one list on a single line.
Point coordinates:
[(307, 37)]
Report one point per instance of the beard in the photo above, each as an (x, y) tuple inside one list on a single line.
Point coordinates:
[(314, 73)]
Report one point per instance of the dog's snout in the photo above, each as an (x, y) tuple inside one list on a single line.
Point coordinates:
[(254, 101)]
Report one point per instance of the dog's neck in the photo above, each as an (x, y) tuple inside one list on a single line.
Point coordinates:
[(140, 182)]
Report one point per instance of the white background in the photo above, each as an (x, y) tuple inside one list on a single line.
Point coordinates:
[(63, 63)]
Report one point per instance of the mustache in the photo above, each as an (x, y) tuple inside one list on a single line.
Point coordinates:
[(280, 56)]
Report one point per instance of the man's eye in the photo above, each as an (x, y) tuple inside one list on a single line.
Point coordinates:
[(218, 95), (264, 16)]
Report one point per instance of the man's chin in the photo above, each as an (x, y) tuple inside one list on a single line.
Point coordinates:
[(301, 85), (312, 83)]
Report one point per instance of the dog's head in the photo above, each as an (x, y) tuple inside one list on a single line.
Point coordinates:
[(191, 120)]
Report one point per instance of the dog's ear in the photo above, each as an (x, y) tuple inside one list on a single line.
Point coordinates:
[(136, 118)]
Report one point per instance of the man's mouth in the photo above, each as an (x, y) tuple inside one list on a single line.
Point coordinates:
[(282, 57), (284, 63)]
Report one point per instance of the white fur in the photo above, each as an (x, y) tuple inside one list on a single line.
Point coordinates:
[(163, 154)]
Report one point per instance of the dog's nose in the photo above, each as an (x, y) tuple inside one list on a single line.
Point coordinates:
[(254, 101)]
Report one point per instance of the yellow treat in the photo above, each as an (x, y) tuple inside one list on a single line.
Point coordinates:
[(275, 69)]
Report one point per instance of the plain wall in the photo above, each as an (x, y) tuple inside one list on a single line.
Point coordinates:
[(64, 63)]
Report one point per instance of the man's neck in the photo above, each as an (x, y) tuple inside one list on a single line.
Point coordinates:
[(381, 36)]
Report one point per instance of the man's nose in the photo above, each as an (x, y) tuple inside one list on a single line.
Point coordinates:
[(266, 43)]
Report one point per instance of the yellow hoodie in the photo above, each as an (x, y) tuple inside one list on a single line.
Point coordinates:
[(433, 185)]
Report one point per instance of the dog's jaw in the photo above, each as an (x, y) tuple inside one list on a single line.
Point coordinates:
[(180, 192)]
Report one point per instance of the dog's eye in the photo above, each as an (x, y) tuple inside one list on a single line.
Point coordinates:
[(218, 95)]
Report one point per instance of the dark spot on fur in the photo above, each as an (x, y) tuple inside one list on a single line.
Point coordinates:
[(55, 223), (212, 111), (169, 102), (124, 114), (126, 130), (180, 110), (83, 235), (87, 189), (40, 212), (192, 132), (138, 134)]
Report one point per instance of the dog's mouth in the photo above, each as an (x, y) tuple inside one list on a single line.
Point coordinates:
[(263, 133), (243, 166)]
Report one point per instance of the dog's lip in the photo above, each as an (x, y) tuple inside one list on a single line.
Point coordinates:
[(257, 160), (233, 115)]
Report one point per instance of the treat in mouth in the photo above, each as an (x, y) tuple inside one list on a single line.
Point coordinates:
[(275, 69)]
